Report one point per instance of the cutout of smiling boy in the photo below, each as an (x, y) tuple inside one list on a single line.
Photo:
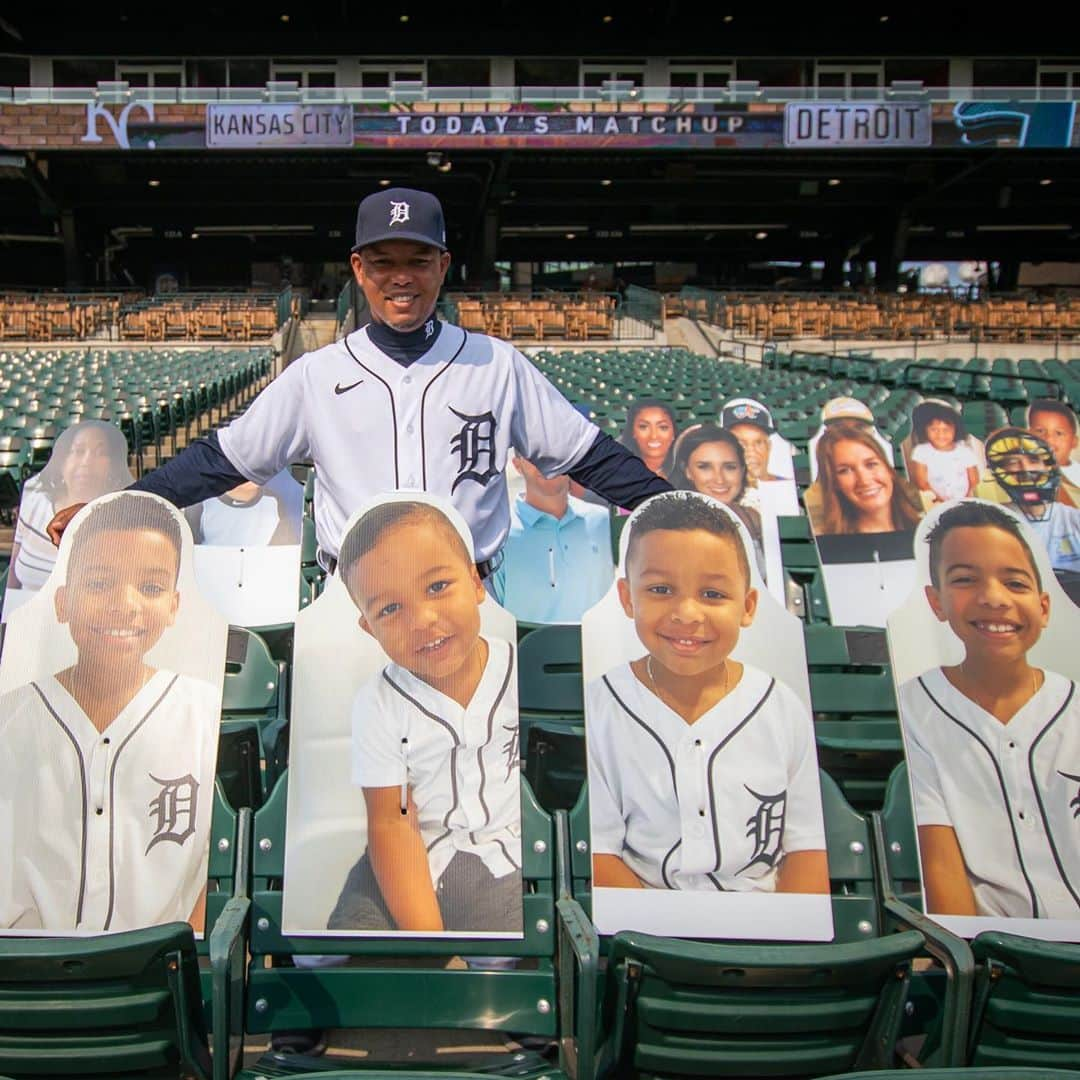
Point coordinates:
[(435, 736), (702, 773), (993, 743), (106, 769)]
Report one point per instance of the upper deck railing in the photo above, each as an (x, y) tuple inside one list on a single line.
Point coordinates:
[(610, 92)]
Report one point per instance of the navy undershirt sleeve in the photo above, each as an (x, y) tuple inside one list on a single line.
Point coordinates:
[(616, 474), (200, 471)]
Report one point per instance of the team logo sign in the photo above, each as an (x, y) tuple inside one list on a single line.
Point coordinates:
[(173, 810), (475, 446), (399, 213)]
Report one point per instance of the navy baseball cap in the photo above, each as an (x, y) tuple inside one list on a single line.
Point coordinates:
[(400, 214), (746, 411)]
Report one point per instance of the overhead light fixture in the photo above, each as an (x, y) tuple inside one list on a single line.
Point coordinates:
[(608, 18), (154, 183), (384, 183), (883, 18), (434, 158), (446, 166), (834, 181), (729, 18), (194, 236), (570, 235), (284, 18), (605, 182), (1045, 181), (403, 18), (761, 236)]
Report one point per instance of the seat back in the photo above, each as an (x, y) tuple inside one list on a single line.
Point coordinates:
[(521, 999), (1025, 1002), (549, 671), (695, 1008)]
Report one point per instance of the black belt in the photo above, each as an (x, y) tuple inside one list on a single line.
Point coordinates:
[(488, 567)]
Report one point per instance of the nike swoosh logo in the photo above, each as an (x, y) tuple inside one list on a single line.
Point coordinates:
[(339, 389)]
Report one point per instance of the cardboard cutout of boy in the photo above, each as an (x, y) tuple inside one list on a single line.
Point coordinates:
[(108, 750), (984, 658), (703, 783), (428, 721)]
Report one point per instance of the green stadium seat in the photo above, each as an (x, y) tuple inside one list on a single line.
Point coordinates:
[(675, 1007), (1023, 1007), (395, 983)]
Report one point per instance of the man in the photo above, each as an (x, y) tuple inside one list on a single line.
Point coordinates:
[(751, 423), (558, 554), (407, 402)]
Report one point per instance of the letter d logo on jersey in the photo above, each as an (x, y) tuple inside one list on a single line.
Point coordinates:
[(475, 446)]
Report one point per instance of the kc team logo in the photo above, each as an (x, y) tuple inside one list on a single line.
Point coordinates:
[(474, 445), (173, 810), (399, 213)]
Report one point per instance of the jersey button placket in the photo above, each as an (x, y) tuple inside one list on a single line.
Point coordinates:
[(410, 452)]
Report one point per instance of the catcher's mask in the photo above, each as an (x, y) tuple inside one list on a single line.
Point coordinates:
[(1024, 466)]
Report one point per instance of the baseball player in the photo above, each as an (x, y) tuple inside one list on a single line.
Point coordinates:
[(407, 402), (435, 736), (107, 767), (993, 744), (702, 773), (1024, 470)]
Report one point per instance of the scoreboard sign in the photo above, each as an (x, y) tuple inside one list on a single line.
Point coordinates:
[(847, 125)]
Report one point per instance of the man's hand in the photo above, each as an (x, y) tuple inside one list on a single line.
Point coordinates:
[(61, 521)]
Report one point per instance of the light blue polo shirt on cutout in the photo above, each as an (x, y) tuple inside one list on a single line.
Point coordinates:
[(554, 570)]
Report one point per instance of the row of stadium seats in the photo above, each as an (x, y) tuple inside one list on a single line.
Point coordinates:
[(566, 316), (154, 395), (775, 316), (131, 316), (228, 318), (631, 1004), (48, 316)]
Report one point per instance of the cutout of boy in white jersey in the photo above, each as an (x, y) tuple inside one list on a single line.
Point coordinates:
[(702, 770), (107, 763), (434, 738), (993, 740)]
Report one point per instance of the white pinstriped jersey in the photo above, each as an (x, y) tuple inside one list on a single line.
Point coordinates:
[(105, 830), (461, 764), (1010, 791), (711, 805), (444, 425)]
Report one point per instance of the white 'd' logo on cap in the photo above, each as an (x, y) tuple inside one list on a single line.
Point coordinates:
[(399, 212)]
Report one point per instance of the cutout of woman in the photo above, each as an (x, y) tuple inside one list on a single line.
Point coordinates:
[(860, 492), (88, 460), (710, 459), (650, 432)]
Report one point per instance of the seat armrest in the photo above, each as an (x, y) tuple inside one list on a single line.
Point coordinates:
[(952, 952)]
